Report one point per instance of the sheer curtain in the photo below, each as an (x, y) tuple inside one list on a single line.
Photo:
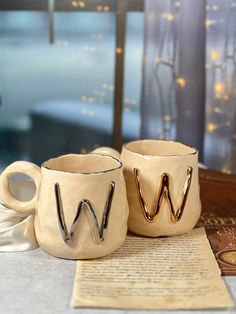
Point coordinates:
[(189, 77)]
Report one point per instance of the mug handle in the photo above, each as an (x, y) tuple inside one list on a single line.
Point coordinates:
[(6, 197), (107, 151)]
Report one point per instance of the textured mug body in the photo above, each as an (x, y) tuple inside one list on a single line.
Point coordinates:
[(152, 159), (63, 184)]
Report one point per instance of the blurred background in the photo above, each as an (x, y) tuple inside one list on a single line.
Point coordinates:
[(76, 75)]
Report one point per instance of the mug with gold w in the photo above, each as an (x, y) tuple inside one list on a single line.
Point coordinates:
[(162, 186)]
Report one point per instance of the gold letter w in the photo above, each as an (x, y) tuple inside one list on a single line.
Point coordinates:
[(164, 191)]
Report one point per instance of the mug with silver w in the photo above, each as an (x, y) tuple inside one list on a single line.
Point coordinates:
[(80, 205)]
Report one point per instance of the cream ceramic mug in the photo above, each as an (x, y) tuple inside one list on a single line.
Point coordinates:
[(162, 186), (80, 204)]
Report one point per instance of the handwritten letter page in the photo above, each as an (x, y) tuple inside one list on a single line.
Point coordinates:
[(153, 273)]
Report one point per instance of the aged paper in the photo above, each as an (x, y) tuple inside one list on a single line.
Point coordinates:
[(153, 273)]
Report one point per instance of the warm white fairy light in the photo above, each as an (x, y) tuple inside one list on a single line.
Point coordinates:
[(168, 118), (215, 55), (74, 4), (157, 60), (81, 4), (209, 22), (106, 8), (217, 110), (181, 82), (119, 50), (212, 127), (168, 16), (215, 7), (219, 89), (167, 58)]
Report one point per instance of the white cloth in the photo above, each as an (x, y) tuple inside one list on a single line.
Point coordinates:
[(16, 231)]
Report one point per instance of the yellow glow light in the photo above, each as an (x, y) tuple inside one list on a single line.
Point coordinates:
[(99, 8), (219, 89), (212, 127), (217, 110), (168, 16), (157, 60), (209, 23), (181, 82), (106, 8), (74, 4), (119, 50), (215, 7), (167, 118), (215, 55), (81, 4)]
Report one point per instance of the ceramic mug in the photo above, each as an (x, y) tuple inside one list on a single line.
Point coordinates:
[(162, 186), (80, 204)]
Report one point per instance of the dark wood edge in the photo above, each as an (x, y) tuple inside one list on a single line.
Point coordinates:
[(216, 177)]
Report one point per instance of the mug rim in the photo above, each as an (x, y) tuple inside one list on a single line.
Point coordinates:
[(43, 165), (194, 152)]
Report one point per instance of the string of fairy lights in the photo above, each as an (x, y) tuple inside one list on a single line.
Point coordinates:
[(220, 71), (221, 77), (167, 58), (220, 66), (104, 93)]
